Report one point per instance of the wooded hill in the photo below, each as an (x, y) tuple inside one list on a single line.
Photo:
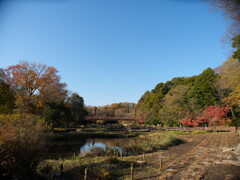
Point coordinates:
[(209, 98)]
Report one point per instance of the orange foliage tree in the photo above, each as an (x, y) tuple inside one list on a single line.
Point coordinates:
[(34, 85)]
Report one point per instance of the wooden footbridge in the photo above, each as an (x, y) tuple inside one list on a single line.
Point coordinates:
[(110, 119)]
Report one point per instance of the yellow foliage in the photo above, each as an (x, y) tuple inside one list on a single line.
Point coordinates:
[(105, 174)]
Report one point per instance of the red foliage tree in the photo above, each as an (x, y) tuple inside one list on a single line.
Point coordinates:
[(187, 120), (211, 116), (214, 115)]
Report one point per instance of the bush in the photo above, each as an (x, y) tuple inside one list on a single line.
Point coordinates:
[(22, 141), (95, 151), (236, 121), (101, 122)]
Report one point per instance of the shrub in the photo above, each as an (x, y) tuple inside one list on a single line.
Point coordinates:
[(236, 121), (100, 173), (95, 151), (100, 122), (22, 141)]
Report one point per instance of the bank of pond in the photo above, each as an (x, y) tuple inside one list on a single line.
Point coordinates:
[(108, 157), (109, 146)]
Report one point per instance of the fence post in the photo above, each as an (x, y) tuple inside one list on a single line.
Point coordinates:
[(121, 153), (61, 169), (144, 158), (160, 162), (85, 173), (132, 172)]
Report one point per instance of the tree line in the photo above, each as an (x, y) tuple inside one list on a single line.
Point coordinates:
[(122, 110)]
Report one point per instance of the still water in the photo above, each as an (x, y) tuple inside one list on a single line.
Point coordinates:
[(98, 143), (67, 149)]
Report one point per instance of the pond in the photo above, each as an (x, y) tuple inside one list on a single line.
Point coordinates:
[(68, 149), (99, 143)]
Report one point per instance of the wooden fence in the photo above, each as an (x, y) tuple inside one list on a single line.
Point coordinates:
[(209, 128)]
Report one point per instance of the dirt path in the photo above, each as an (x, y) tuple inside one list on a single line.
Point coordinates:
[(204, 156)]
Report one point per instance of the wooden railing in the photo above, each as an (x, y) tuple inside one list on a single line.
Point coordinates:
[(109, 119), (209, 128), (221, 128)]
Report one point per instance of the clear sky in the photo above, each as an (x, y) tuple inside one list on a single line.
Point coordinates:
[(113, 50)]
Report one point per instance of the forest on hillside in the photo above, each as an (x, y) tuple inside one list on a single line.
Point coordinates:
[(211, 97)]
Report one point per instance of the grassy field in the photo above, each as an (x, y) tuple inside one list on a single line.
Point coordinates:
[(104, 133)]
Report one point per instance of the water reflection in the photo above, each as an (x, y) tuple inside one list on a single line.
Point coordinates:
[(67, 149), (99, 143)]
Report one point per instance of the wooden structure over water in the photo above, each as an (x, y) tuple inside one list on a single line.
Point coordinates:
[(109, 119)]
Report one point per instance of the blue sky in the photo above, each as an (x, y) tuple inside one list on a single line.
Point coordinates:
[(113, 50)]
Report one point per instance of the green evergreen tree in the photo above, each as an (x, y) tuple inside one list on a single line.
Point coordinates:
[(76, 105), (236, 45), (7, 99), (204, 89), (57, 114)]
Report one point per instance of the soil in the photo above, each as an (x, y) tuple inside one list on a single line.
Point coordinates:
[(212, 156)]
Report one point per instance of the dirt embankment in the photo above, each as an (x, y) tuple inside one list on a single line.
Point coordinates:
[(213, 156)]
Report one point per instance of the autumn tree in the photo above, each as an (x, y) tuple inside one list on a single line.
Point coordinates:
[(214, 115), (229, 86), (229, 74), (211, 116), (122, 109), (229, 81), (34, 85), (188, 120), (91, 110), (231, 9), (125, 109), (105, 111)]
